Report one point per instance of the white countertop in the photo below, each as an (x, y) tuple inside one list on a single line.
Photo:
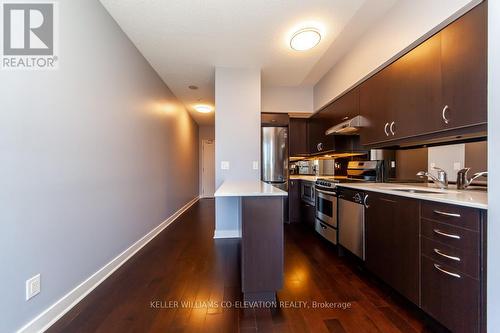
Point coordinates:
[(248, 188), (470, 198)]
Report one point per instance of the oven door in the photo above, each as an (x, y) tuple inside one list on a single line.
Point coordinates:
[(326, 207)]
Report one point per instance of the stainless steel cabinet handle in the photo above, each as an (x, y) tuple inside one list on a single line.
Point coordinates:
[(447, 214), (439, 232), (365, 201), (446, 120), (385, 129), (446, 255), (438, 267), (322, 226), (392, 128)]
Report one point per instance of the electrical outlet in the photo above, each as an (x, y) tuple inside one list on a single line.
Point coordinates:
[(457, 166), (33, 286), (224, 165), (255, 165)]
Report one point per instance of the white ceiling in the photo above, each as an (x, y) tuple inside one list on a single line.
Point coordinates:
[(184, 40)]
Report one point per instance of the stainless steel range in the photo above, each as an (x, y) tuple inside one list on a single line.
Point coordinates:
[(339, 215)]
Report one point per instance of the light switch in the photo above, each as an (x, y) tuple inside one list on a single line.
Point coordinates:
[(33, 286), (255, 165), (224, 165)]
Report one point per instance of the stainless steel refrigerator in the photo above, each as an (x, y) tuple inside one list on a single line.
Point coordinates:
[(275, 155)]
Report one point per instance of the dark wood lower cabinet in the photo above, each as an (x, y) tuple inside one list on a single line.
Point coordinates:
[(450, 296), (307, 213), (431, 253), (294, 200), (453, 266), (392, 242), (262, 249)]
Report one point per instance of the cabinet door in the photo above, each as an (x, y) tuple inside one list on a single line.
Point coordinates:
[(297, 134), (379, 217), (294, 200), (374, 101), (464, 68), (274, 119), (415, 90), (318, 141), (392, 242), (344, 108), (307, 213), (406, 247)]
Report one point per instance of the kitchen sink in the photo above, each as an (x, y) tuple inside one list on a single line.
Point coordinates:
[(416, 191)]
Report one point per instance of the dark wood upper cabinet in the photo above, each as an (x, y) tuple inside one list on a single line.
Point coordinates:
[(297, 133), (415, 90), (392, 242), (274, 119), (464, 68), (438, 86), (374, 99), (342, 109), (317, 140)]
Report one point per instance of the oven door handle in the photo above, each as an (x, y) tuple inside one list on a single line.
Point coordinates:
[(327, 193)]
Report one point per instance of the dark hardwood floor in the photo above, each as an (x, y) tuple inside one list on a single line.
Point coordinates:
[(185, 264)]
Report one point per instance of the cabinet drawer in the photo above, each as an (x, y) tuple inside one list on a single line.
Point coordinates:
[(466, 261), (452, 300), (464, 217), (459, 238)]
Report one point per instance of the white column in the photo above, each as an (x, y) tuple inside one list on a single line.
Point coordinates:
[(237, 138)]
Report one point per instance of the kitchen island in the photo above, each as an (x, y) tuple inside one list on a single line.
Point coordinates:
[(262, 252)]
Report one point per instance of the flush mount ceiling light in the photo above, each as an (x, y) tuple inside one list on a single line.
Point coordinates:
[(305, 39), (202, 108)]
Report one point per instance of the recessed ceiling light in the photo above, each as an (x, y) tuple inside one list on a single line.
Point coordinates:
[(305, 39), (202, 108)]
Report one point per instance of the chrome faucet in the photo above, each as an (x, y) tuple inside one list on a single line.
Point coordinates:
[(441, 180), (463, 182)]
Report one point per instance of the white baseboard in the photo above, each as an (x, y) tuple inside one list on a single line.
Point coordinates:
[(48, 317), (227, 234)]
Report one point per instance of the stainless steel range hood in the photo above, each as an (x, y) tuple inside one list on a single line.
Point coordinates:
[(348, 127)]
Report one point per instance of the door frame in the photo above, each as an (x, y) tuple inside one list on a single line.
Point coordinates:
[(202, 190)]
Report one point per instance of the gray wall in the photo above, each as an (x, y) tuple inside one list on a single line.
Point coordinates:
[(237, 134), (493, 305), (91, 160)]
